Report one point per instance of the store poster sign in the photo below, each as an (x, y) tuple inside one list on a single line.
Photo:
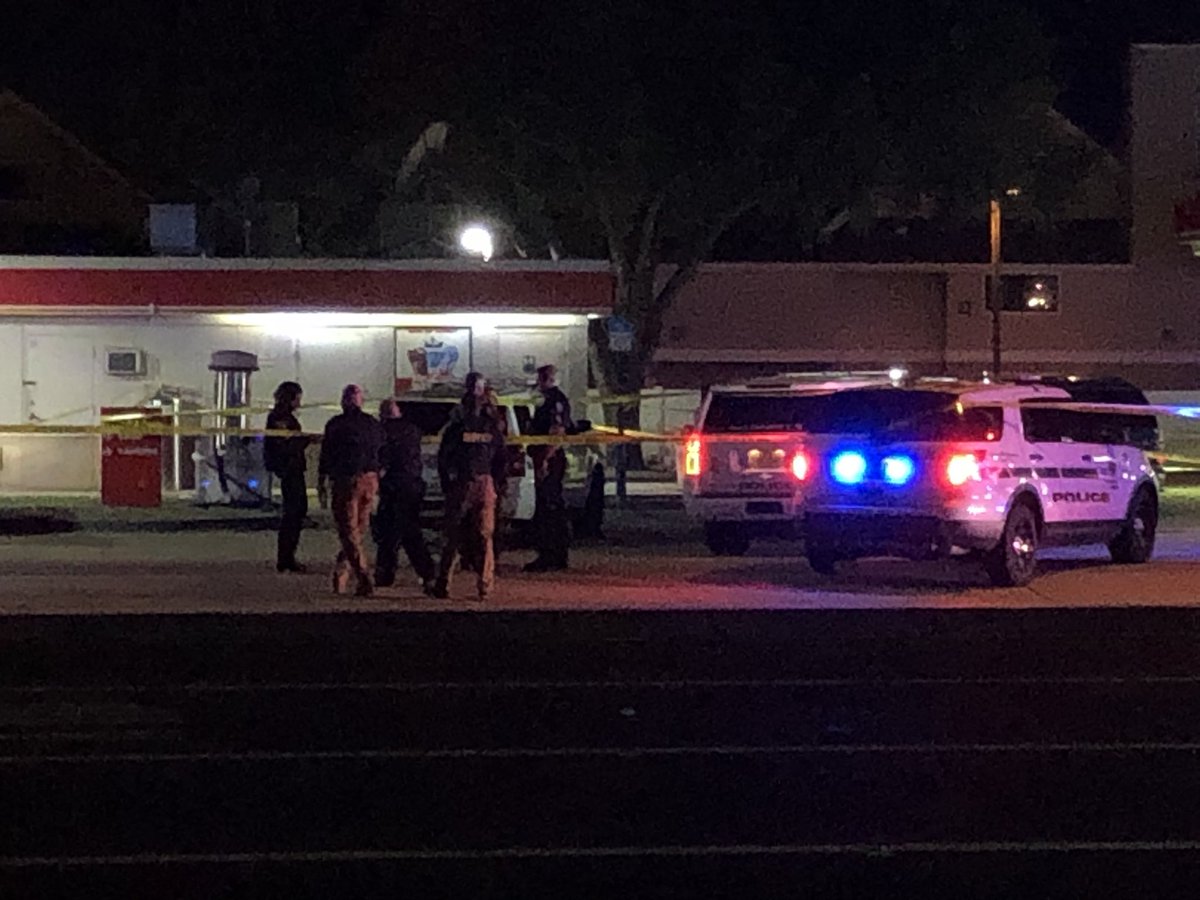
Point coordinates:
[(426, 357)]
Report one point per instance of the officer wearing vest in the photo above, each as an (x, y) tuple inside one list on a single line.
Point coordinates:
[(471, 462)]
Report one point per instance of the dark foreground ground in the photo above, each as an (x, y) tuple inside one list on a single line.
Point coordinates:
[(923, 753)]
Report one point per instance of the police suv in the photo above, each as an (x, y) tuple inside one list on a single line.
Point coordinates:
[(742, 472), (998, 470)]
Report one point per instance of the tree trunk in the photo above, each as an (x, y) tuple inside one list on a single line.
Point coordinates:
[(617, 374), (624, 374)]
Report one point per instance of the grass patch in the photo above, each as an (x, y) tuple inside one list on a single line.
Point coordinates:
[(1181, 505)]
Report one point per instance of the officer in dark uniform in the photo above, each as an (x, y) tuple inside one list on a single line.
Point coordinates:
[(552, 535), (284, 458), (350, 459), (401, 495), (471, 462)]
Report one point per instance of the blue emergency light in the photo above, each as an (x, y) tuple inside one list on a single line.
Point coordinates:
[(898, 469), (849, 467)]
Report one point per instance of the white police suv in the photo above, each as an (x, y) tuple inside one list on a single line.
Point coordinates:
[(995, 469), (743, 468)]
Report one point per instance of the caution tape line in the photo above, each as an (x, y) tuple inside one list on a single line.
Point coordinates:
[(240, 411), (157, 425), (150, 429)]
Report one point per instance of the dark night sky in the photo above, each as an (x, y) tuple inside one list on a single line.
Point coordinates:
[(1092, 39), (110, 71)]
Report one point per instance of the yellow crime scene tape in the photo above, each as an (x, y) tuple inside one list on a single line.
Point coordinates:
[(142, 429), (234, 412), (153, 423)]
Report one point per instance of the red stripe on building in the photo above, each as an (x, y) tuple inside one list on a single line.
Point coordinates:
[(270, 289)]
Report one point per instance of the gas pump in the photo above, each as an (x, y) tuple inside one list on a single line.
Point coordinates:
[(229, 468)]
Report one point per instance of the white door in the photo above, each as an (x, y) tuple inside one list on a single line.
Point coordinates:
[(59, 378)]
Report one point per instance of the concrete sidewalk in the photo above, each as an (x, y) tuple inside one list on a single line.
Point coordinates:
[(34, 514)]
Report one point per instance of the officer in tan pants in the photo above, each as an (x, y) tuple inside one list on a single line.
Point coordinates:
[(350, 460), (471, 462)]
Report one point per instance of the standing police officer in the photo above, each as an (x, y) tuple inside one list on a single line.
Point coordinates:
[(350, 459), (551, 530), (284, 458), (401, 495), (470, 464)]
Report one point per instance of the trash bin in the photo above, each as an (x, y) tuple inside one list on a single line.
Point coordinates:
[(131, 465)]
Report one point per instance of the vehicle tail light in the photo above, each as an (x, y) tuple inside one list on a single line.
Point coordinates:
[(800, 465), (961, 468), (692, 462), (516, 461)]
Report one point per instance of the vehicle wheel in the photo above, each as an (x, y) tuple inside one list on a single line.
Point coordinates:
[(1013, 562), (725, 539), (822, 558), (1135, 543)]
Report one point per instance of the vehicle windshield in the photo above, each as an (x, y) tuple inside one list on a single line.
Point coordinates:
[(746, 413), (918, 416)]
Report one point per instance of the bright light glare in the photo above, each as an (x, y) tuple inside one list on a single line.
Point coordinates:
[(849, 467), (898, 469), (962, 468), (800, 465), (325, 327), (897, 373), (476, 241), (691, 457)]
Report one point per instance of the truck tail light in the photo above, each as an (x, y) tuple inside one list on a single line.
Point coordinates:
[(961, 468), (692, 460), (800, 465)]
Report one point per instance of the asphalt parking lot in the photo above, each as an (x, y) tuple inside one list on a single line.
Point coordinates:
[(652, 558)]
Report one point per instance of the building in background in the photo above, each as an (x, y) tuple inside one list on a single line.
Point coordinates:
[(77, 335)]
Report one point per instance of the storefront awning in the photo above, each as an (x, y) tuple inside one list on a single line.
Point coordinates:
[(91, 284)]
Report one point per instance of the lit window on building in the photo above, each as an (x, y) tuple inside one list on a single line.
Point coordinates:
[(1027, 293)]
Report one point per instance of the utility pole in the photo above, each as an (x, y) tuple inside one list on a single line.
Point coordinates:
[(995, 292)]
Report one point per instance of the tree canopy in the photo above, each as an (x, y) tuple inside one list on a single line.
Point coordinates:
[(642, 131)]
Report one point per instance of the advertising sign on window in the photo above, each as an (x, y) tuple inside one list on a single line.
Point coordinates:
[(431, 356)]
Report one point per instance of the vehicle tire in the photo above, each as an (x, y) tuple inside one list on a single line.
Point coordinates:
[(1013, 561), (1135, 542), (822, 558), (726, 539)]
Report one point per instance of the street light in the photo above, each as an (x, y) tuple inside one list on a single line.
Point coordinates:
[(994, 228), (994, 235), (476, 240)]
